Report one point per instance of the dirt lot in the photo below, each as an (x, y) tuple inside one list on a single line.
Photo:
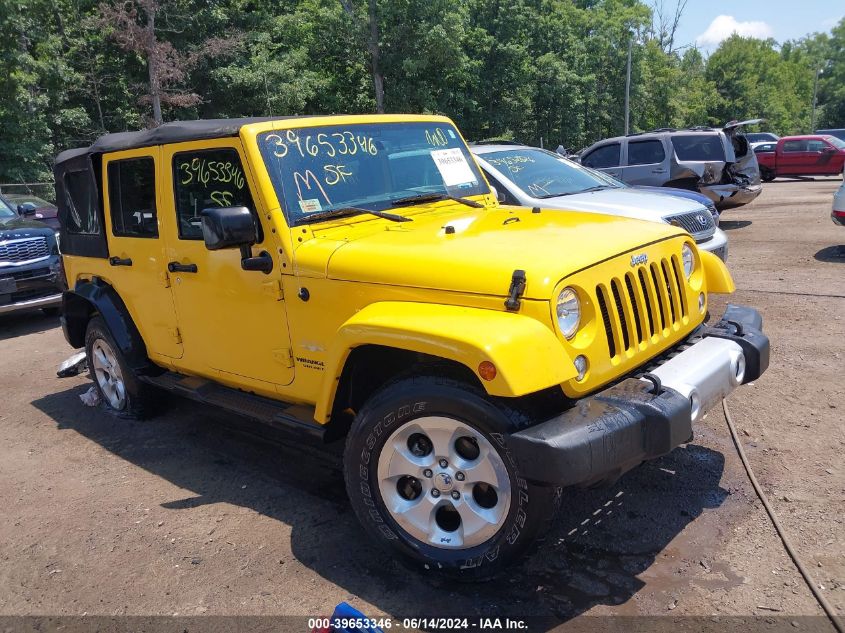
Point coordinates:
[(188, 514)]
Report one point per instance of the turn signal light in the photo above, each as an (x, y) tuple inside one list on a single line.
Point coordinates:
[(487, 370)]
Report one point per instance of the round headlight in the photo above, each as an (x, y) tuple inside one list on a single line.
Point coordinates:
[(689, 260), (568, 312)]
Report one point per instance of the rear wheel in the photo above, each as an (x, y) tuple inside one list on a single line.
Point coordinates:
[(118, 386), (429, 474), (766, 174)]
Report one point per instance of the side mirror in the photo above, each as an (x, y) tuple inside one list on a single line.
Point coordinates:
[(828, 150), (227, 227), (234, 227), (27, 208)]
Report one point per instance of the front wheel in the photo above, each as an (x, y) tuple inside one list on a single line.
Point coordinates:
[(430, 475)]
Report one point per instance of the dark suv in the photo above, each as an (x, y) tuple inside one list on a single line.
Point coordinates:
[(716, 162), (30, 274)]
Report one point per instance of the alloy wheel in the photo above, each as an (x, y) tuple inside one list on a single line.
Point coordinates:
[(444, 483)]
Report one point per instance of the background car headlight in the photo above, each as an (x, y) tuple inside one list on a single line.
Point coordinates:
[(689, 260), (568, 312)]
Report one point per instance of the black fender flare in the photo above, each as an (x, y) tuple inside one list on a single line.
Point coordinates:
[(96, 296)]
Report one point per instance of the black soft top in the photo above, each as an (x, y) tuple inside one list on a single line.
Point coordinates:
[(79, 181), (173, 132)]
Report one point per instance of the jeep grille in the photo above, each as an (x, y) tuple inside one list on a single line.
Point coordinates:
[(643, 307), (23, 251), (699, 224)]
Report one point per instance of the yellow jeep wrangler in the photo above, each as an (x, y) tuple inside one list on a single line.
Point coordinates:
[(354, 278)]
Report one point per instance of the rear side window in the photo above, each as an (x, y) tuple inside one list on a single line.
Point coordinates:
[(645, 152), (603, 157), (698, 147), (795, 146), (204, 179), (80, 200), (132, 195)]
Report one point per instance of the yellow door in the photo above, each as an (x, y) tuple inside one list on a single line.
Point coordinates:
[(137, 254), (233, 322)]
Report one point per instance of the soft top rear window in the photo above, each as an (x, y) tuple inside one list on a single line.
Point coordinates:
[(704, 147)]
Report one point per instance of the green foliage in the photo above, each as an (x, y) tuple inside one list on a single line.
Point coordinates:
[(523, 69)]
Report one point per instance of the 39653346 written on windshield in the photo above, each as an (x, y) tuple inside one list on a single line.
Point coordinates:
[(368, 165)]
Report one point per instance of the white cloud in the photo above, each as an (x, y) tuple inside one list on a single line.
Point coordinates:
[(723, 26)]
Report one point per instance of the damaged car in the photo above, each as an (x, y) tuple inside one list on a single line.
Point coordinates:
[(717, 162)]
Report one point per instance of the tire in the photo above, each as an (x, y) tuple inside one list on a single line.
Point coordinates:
[(119, 389), (766, 175), (393, 454)]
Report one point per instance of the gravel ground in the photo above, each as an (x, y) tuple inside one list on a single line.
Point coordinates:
[(191, 513)]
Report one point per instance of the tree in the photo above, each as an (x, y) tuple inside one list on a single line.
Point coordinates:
[(132, 24), (370, 26)]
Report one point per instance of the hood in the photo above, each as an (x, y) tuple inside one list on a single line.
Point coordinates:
[(480, 256), (16, 227), (629, 203)]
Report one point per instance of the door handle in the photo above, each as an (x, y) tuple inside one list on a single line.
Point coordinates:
[(658, 171), (176, 267), (117, 261)]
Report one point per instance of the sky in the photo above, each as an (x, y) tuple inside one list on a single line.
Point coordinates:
[(708, 22)]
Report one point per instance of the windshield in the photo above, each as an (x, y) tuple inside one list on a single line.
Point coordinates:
[(5, 210), (542, 174), (698, 147), (320, 169)]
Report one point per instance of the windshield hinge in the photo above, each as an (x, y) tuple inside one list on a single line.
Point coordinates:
[(516, 290), (284, 356), (274, 289)]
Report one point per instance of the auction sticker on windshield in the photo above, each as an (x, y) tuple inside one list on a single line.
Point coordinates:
[(310, 206), (453, 167)]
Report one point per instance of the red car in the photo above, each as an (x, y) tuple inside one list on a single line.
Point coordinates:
[(811, 155)]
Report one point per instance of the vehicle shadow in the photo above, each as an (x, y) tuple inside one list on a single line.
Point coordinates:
[(23, 323), (730, 225), (601, 540), (834, 254)]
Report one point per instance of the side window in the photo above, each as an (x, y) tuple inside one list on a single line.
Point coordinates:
[(816, 146), (132, 197), (81, 203), (795, 146), (645, 152), (504, 194), (603, 157), (204, 179)]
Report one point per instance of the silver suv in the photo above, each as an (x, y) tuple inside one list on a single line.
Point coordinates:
[(717, 162)]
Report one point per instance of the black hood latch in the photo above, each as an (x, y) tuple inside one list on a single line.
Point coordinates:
[(516, 291)]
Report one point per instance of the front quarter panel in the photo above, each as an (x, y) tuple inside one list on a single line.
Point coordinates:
[(719, 280), (527, 354)]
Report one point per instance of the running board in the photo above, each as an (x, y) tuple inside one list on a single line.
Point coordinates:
[(295, 419)]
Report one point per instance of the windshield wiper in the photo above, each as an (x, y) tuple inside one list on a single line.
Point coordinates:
[(432, 197), (572, 193), (346, 211)]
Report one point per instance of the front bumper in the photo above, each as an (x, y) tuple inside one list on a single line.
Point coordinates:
[(717, 244), (30, 286), (612, 431)]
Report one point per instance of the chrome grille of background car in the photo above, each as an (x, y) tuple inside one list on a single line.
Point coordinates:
[(699, 224), (643, 307), (24, 250)]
